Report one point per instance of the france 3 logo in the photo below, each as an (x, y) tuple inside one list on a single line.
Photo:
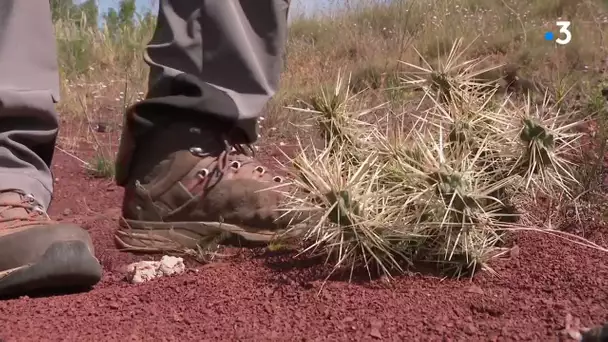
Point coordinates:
[(564, 35)]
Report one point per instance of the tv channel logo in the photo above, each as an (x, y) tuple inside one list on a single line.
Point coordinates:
[(564, 35)]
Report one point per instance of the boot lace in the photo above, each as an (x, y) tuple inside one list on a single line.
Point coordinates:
[(33, 212), (225, 162)]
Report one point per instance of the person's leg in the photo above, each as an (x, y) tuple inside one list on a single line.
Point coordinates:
[(214, 66), (210, 60), (34, 251)]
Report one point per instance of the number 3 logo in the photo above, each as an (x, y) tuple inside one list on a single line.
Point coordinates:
[(564, 29)]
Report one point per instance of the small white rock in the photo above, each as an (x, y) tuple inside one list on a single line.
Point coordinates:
[(170, 265), (140, 272)]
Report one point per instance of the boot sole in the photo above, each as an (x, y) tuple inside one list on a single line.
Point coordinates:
[(148, 236), (64, 265)]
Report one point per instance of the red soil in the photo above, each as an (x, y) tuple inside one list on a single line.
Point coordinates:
[(257, 297)]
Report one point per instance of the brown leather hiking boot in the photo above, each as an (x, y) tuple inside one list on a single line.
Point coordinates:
[(39, 254), (202, 191)]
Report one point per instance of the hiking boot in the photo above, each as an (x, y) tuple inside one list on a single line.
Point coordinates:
[(37, 253), (189, 186)]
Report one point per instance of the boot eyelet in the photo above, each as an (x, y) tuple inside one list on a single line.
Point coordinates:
[(261, 170), (278, 179), (202, 173), (196, 151), (235, 165)]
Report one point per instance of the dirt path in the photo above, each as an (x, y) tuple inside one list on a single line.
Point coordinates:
[(253, 297)]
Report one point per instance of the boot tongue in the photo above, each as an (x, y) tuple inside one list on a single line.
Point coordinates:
[(179, 136), (7, 211)]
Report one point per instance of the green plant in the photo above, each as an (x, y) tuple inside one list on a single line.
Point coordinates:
[(102, 166)]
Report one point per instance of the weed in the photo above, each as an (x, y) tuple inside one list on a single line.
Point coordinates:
[(102, 166), (440, 191)]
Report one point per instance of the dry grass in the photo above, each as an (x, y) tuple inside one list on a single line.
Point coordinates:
[(510, 115)]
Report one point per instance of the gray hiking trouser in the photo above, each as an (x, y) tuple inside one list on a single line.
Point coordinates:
[(213, 59)]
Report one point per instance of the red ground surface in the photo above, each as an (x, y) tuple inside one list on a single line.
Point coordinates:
[(258, 297)]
